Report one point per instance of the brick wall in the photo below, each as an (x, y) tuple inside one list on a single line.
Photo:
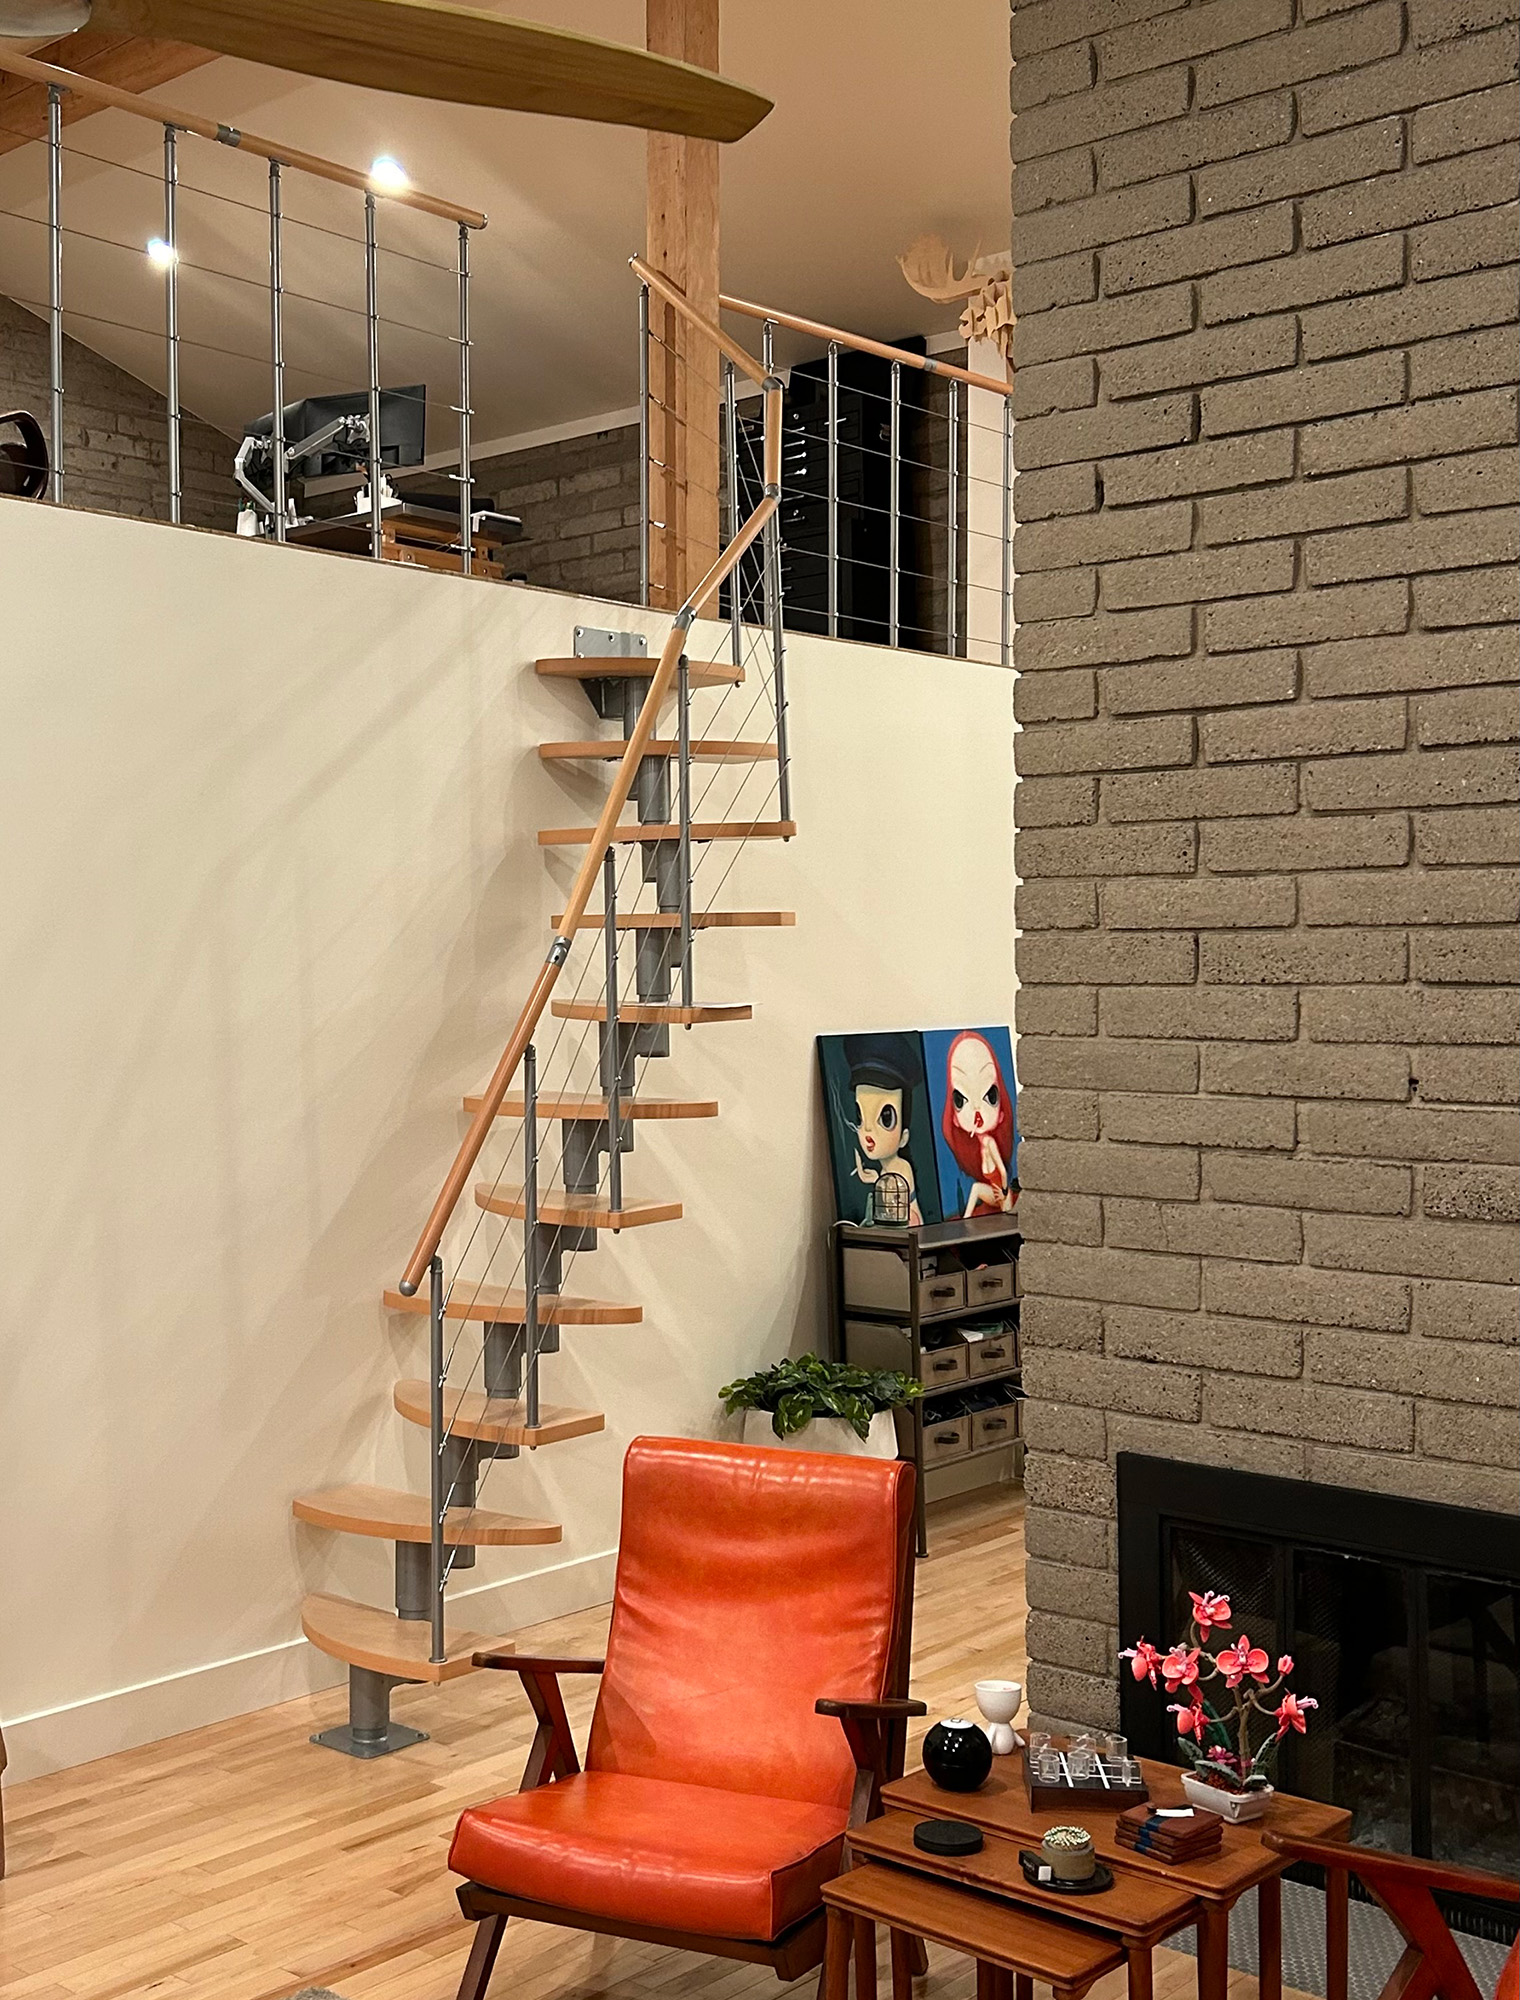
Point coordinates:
[(1266, 290), (115, 442), (579, 503)]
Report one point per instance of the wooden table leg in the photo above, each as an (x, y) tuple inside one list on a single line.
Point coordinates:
[(865, 1959), (1213, 1951), (1337, 1932), (1023, 1986), (986, 1981), (836, 1957), (1269, 1938), (1138, 1958), (902, 1966)]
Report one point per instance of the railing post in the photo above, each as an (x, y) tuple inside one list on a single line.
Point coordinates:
[(952, 581), (614, 1081), (372, 343), (530, 1235), (171, 315), (644, 523), (437, 1498), (683, 810), (277, 341), (731, 419), (1007, 578), (894, 505), (466, 478), (777, 610), (55, 290), (833, 489)]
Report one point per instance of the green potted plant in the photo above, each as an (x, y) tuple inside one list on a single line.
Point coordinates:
[(810, 1404)]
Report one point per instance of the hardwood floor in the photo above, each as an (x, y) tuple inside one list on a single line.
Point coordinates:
[(240, 1863)]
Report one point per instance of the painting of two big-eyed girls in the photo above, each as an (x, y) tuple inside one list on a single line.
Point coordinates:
[(936, 1108)]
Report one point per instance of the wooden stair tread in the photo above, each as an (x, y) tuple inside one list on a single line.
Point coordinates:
[(394, 1516), (593, 1106), (624, 666), (701, 920), (638, 1013), (705, 829), (366, 1636), (471, 1413), (707, 750), (496, 1305), (564, 1209)]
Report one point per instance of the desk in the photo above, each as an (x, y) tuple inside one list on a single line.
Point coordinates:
[(1216, 1882), (427, 537)]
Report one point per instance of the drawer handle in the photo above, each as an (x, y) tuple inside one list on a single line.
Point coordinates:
[(942, 1291), (945, 1367), (996, 1424), (947, 1437)]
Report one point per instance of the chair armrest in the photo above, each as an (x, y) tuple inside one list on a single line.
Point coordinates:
[(896, 1708), (552, 1754), (531, 1663), (1375, 1865)]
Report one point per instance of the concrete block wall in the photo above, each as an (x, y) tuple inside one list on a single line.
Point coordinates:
[(579, 503), (115, 450), (1266, 283)]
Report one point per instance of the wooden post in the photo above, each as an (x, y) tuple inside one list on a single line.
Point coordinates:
[(685, 390)]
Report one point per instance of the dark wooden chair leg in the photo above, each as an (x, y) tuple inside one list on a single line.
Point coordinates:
[(489, 1933), (1337, 1932)]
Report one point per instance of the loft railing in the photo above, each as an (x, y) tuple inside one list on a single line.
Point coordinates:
[(918, 545), (593, 1116), (166, 252)]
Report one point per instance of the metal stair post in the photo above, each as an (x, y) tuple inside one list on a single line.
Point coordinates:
[(530, 1233), (610, 1028), (683, 794), (438, 1498)]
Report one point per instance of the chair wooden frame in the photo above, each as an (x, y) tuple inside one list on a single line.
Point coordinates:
[(877, 1733), (1431, 1968)]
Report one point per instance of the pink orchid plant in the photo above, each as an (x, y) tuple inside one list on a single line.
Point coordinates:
[(1217, 1741)]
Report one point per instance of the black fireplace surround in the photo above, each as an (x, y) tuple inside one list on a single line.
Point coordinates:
[(1401, 1616)]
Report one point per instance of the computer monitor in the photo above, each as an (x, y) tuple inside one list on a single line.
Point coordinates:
[(402, 425)]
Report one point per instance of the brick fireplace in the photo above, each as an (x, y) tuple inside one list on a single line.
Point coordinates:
[(1265, 278)]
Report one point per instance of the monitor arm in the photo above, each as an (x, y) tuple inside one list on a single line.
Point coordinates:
[(350, 433)]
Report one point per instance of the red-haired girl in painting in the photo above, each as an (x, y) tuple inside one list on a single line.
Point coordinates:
[(978, 1123)]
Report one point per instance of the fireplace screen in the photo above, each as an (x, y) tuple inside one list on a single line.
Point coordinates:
[(1402, 1619)]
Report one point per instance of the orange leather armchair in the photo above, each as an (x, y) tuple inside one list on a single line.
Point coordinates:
[(1432, 1968), (762, 1598)]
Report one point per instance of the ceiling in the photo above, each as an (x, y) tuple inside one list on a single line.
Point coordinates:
[(891, 120)]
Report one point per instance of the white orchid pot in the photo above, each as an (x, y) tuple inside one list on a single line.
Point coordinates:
[(1236, 1807), (830, 1434)]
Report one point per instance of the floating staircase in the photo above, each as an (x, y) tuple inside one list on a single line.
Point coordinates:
[(499, 1412)]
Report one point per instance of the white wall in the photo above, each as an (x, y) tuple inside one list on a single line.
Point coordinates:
[(272, 901)]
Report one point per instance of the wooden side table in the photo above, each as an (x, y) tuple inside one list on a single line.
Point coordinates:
[(1137, 1912), (1012, 1947), (1217, 1882)]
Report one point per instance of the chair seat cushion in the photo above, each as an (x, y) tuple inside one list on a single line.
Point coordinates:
[(651, 1852)]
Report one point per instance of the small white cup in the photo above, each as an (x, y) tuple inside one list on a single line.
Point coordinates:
[(999, 1702)]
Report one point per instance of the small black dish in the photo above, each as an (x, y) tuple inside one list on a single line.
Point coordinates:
[(947, 1836), (1101, 1878)]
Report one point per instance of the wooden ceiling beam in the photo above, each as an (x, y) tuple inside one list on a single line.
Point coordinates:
[(130, 62)]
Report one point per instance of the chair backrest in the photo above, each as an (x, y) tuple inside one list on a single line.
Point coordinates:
[(749, 1584)]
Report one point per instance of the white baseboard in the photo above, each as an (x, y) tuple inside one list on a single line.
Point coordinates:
[(57, 1739)]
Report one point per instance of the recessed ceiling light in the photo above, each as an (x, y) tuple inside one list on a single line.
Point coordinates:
[(161, 254), (388, 176)]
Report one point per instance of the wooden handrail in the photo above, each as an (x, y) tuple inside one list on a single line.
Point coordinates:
[(247, 142), (622, 786), (818, 331), (672, 295)]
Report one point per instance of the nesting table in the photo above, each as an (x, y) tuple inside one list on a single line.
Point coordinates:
[(1150, 1898)]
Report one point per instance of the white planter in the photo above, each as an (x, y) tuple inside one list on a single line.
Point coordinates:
[(1236, 1807), (830, 1434)]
